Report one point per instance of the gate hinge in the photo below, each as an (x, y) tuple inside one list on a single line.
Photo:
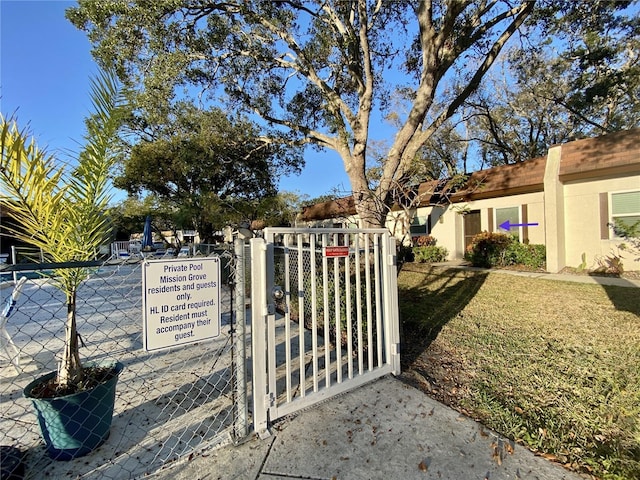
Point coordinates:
[(391, 259), (269, 400)]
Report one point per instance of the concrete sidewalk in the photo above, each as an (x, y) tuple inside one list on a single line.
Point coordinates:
[(564, 277), (383, 430)]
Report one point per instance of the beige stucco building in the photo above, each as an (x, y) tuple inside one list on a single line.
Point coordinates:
[(565, 200)]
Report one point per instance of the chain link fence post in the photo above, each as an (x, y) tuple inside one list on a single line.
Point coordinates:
[(241, 424)]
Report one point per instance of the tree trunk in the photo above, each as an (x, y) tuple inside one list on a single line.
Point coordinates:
[(371, 209), (70, 370), (371, 205)]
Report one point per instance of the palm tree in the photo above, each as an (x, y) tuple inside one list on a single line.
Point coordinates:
[(64, 214)]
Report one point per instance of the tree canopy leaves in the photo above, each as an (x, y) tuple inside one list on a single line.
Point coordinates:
[(582, 79), (206, 166)]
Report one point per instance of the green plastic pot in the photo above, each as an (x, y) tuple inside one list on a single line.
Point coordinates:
[(76, 424)]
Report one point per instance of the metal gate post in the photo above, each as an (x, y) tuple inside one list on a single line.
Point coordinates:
[(259, 314), (268, 288), (391, 314), (241, 429)]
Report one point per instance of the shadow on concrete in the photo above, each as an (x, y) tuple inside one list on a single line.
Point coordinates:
[(436, 298), (624, 295), (164, 427)]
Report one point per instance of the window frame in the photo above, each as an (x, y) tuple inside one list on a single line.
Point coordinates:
[(425, 225), (611, 218)]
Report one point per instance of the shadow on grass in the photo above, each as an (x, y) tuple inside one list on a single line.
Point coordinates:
[(625, 296), (430, 297)]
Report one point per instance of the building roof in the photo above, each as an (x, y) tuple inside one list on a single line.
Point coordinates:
[(341, 207), (613, 154), (522, 177)]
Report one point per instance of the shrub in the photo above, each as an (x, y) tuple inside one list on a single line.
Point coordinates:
[(500, 250), (405, 254), (487, 249), (532, 256), (424, 241), (430, 254), (610, 264)]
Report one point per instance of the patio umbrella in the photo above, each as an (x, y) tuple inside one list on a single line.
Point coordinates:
[(147, 237)]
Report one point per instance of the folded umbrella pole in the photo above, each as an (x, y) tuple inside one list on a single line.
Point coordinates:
[(5, 339), (147, 235)]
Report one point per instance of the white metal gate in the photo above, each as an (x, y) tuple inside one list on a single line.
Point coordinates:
[(324, 315)]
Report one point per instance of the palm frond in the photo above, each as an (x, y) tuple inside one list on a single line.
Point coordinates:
[(63, 213)]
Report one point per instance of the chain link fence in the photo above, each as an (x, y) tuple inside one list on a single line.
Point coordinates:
[(169, 403)]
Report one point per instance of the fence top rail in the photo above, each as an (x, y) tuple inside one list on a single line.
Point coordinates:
[(19, 267), (322, 230)]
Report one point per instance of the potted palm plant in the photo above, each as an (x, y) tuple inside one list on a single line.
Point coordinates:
[(63, 213)]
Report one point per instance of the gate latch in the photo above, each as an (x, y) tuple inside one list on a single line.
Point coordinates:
[(278, 294), (270, 400)]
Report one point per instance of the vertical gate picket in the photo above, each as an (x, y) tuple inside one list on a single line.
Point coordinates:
[(325, 305), (367, 262), (287, 322), (349, 318), (338, 316), (376, 260), (314, 312), (301, 310)]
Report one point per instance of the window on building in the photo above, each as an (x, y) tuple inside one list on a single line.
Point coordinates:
[(419, 226), (510, 214), (625, 207)]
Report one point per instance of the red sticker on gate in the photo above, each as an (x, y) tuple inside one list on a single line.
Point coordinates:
[(338, 251)]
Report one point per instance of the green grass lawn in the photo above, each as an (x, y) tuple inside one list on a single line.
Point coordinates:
[(552, 365)]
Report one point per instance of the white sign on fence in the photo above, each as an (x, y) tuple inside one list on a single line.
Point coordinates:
[(180, 301)]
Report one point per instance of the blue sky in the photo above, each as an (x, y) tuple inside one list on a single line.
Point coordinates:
[(45, 67)]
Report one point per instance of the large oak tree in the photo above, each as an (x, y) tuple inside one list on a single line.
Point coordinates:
[(316, 72)]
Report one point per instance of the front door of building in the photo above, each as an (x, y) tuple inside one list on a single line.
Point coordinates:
[(471, 226)]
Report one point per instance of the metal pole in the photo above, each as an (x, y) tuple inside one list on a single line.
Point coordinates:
[(241, 428), (14, 261)]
